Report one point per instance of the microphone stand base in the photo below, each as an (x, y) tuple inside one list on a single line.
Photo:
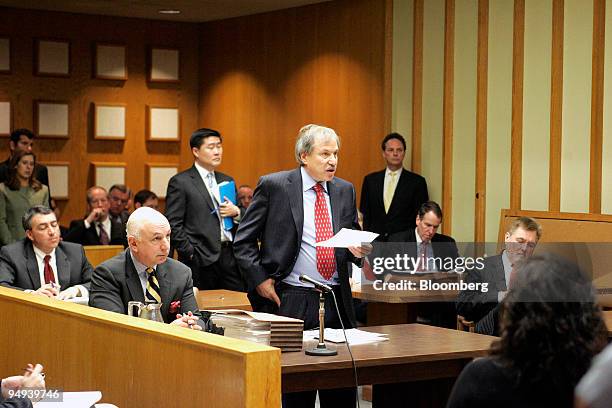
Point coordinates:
[(321, 350)]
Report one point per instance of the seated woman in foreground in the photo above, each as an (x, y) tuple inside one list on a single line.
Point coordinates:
[(551, 328)]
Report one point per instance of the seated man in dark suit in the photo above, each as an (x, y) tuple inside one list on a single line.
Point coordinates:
[(43, 264), (435, 250), (144, 273), (97, 228), (23, 139), (499, 273)]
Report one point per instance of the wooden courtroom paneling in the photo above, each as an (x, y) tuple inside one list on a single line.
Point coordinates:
[(81, 91), (134, 362), (265, 76)]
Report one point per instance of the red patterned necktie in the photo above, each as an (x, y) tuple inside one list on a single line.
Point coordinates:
[(326, 262), (48, 272)]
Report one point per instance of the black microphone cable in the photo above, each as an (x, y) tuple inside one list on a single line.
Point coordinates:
[(348, 347)]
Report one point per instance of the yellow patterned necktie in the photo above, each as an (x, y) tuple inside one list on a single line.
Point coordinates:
[(388, 197), (152, 294)]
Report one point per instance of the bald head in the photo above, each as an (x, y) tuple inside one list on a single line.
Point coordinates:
[(143, 217), (148, 233)]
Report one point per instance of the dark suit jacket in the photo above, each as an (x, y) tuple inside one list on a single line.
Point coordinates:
[(442, 245), (19, 269), (195, 225), (276, 218), (15, 403), (410, 193), (40, 172), (89, 236), (483, 308), (115, 283)]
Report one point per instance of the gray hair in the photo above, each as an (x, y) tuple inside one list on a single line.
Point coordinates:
[(26, 220), (306, 139), (141, 217)]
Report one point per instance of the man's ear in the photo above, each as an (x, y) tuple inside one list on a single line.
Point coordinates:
[(29, 233), (507, 236), (132, 244), (11, 145)]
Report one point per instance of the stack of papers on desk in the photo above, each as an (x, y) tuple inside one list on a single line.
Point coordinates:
[(265, 328), (354, 336)]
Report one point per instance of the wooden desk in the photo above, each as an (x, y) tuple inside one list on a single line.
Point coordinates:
[(134, 362), (414, 352), (397, 307), (607, 316), (222, 299)]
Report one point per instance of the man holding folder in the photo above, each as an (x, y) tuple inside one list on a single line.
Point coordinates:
[(203, 222)]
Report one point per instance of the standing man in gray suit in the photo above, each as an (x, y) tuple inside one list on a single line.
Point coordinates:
[(43, 264), (144, 273), (499, 273), (194, 209), (290, 212)]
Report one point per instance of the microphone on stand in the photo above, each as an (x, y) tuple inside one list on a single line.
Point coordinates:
[(321, 349), (321, 286)]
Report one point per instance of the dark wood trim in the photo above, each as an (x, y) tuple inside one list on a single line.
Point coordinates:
[(417, 87), (597, 98), (481, 121), (447, 115), (556, 107), (518, 59)]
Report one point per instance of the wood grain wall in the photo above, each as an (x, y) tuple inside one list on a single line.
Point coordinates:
[(265, 76), (21, 87)]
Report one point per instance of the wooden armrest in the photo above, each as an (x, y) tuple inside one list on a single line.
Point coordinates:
[(463, 324)]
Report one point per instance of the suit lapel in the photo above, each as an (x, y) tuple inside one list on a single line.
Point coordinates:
[(32, 265), (198, 183), (63, 268), (164, 288), (500, 276), (131, 278), (378, 188), (296, 197), (334, 202)]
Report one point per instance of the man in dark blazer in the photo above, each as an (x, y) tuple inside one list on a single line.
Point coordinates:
[(145, 273), (23, 139), (195, 211), (498, 273), (275, 244), (439, 253), (97, 228), (428, 220), (391, 197), (24, 264)]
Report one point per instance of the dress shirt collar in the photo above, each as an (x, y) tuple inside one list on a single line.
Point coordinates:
[(141, 268), (308, 182), (40, 255), (397, 172), (203, 172), (418, 237)]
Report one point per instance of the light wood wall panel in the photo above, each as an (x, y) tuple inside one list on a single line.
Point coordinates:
[(577, 75), (401, 105), (606, 172), (464, 123), (536, 104), (499, 113), (265, 76), (81, 90), (433, 94)]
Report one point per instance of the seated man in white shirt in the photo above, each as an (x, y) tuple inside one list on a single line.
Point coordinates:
[(43, 264)]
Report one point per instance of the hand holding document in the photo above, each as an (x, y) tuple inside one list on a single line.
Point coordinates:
[(348, 237)]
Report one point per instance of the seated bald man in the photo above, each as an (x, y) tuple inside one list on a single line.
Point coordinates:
[(144, 273)]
